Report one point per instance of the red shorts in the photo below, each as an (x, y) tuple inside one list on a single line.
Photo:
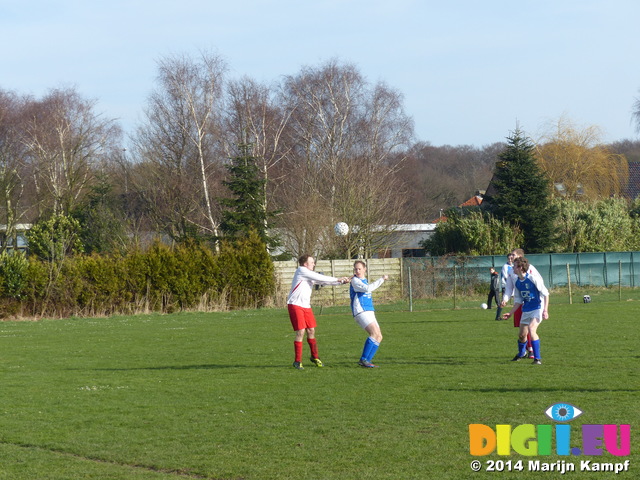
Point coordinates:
[(301, 318), (517, 315)]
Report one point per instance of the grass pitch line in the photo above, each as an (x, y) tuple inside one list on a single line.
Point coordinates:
[(177, 473)]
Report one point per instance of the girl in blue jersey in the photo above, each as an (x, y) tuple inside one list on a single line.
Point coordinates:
[(363, 311), (533, 296)]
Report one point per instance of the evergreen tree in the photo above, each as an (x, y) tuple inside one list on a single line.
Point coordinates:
[(102, 220), (246, 211), (521, 194)]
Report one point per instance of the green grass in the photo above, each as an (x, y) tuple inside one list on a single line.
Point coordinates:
[(214, 396)]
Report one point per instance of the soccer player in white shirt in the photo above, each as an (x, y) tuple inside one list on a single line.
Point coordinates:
[(507, 269), (299, 307)]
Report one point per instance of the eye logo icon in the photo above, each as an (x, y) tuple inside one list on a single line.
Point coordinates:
[(562, 412)]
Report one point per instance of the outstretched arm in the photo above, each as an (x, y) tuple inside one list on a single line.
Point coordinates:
[(359, 286), (320, 279)]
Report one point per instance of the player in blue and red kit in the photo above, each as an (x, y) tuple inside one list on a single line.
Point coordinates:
[(509, 288), (363, 311), (533, 297)]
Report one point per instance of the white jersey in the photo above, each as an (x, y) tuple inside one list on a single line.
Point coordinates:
[(507, 268), (302, 284), (510, 287)]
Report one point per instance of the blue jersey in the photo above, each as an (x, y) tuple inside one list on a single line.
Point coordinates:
[(360, 293), (529, 292)]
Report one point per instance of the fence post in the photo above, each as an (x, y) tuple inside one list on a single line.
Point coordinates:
[(410, 288), (619, 280), (455, 285), (333, 288), (433, 276), (569, 283)]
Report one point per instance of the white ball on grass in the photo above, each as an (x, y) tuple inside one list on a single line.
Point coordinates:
[(484, 306)]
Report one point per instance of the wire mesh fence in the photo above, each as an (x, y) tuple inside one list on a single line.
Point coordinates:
[(463, 281)]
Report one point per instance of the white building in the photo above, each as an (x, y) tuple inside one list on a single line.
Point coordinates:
[(405, 240)]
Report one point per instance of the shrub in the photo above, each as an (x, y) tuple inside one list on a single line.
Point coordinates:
[(55, 238), (246, 272), (595, 226), (161, 279), (104, 287), (473, 233), (13, 274)]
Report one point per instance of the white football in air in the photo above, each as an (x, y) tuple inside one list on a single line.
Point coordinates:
[(484, 306), (341, 229)]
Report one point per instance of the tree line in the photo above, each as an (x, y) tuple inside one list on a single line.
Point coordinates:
[(215, 157), (529, 204)]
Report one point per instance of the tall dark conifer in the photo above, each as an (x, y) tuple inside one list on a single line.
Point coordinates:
[(521, 194), (246, 210)]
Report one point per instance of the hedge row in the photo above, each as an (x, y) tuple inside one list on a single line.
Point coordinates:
[(162, 279)]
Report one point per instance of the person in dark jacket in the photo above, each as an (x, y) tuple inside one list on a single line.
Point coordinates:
[(495, 292)]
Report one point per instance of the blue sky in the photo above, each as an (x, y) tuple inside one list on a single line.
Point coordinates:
[(468, 70)]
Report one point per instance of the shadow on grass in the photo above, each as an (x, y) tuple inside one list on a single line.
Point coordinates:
[(435, 361), (339, 364), (537, 389), (436, 321), (181, 367)]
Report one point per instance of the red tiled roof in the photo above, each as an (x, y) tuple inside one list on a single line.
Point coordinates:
[(472, 202)]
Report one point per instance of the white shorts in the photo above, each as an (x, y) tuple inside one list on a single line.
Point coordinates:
[(528, 317), (365, 319)]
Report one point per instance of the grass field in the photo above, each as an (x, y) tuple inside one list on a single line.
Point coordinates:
[(214, 396)]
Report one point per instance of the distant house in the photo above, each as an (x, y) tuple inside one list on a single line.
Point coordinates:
[(18, 241), (405, 240), (474, 201)]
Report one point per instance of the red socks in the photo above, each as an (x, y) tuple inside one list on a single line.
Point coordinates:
[(313, 346), (297, 347)]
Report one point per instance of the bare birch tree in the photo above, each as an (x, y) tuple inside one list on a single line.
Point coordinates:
[(12, 168), (65, 140), (340, 138), (255, 118), (179, 145)]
